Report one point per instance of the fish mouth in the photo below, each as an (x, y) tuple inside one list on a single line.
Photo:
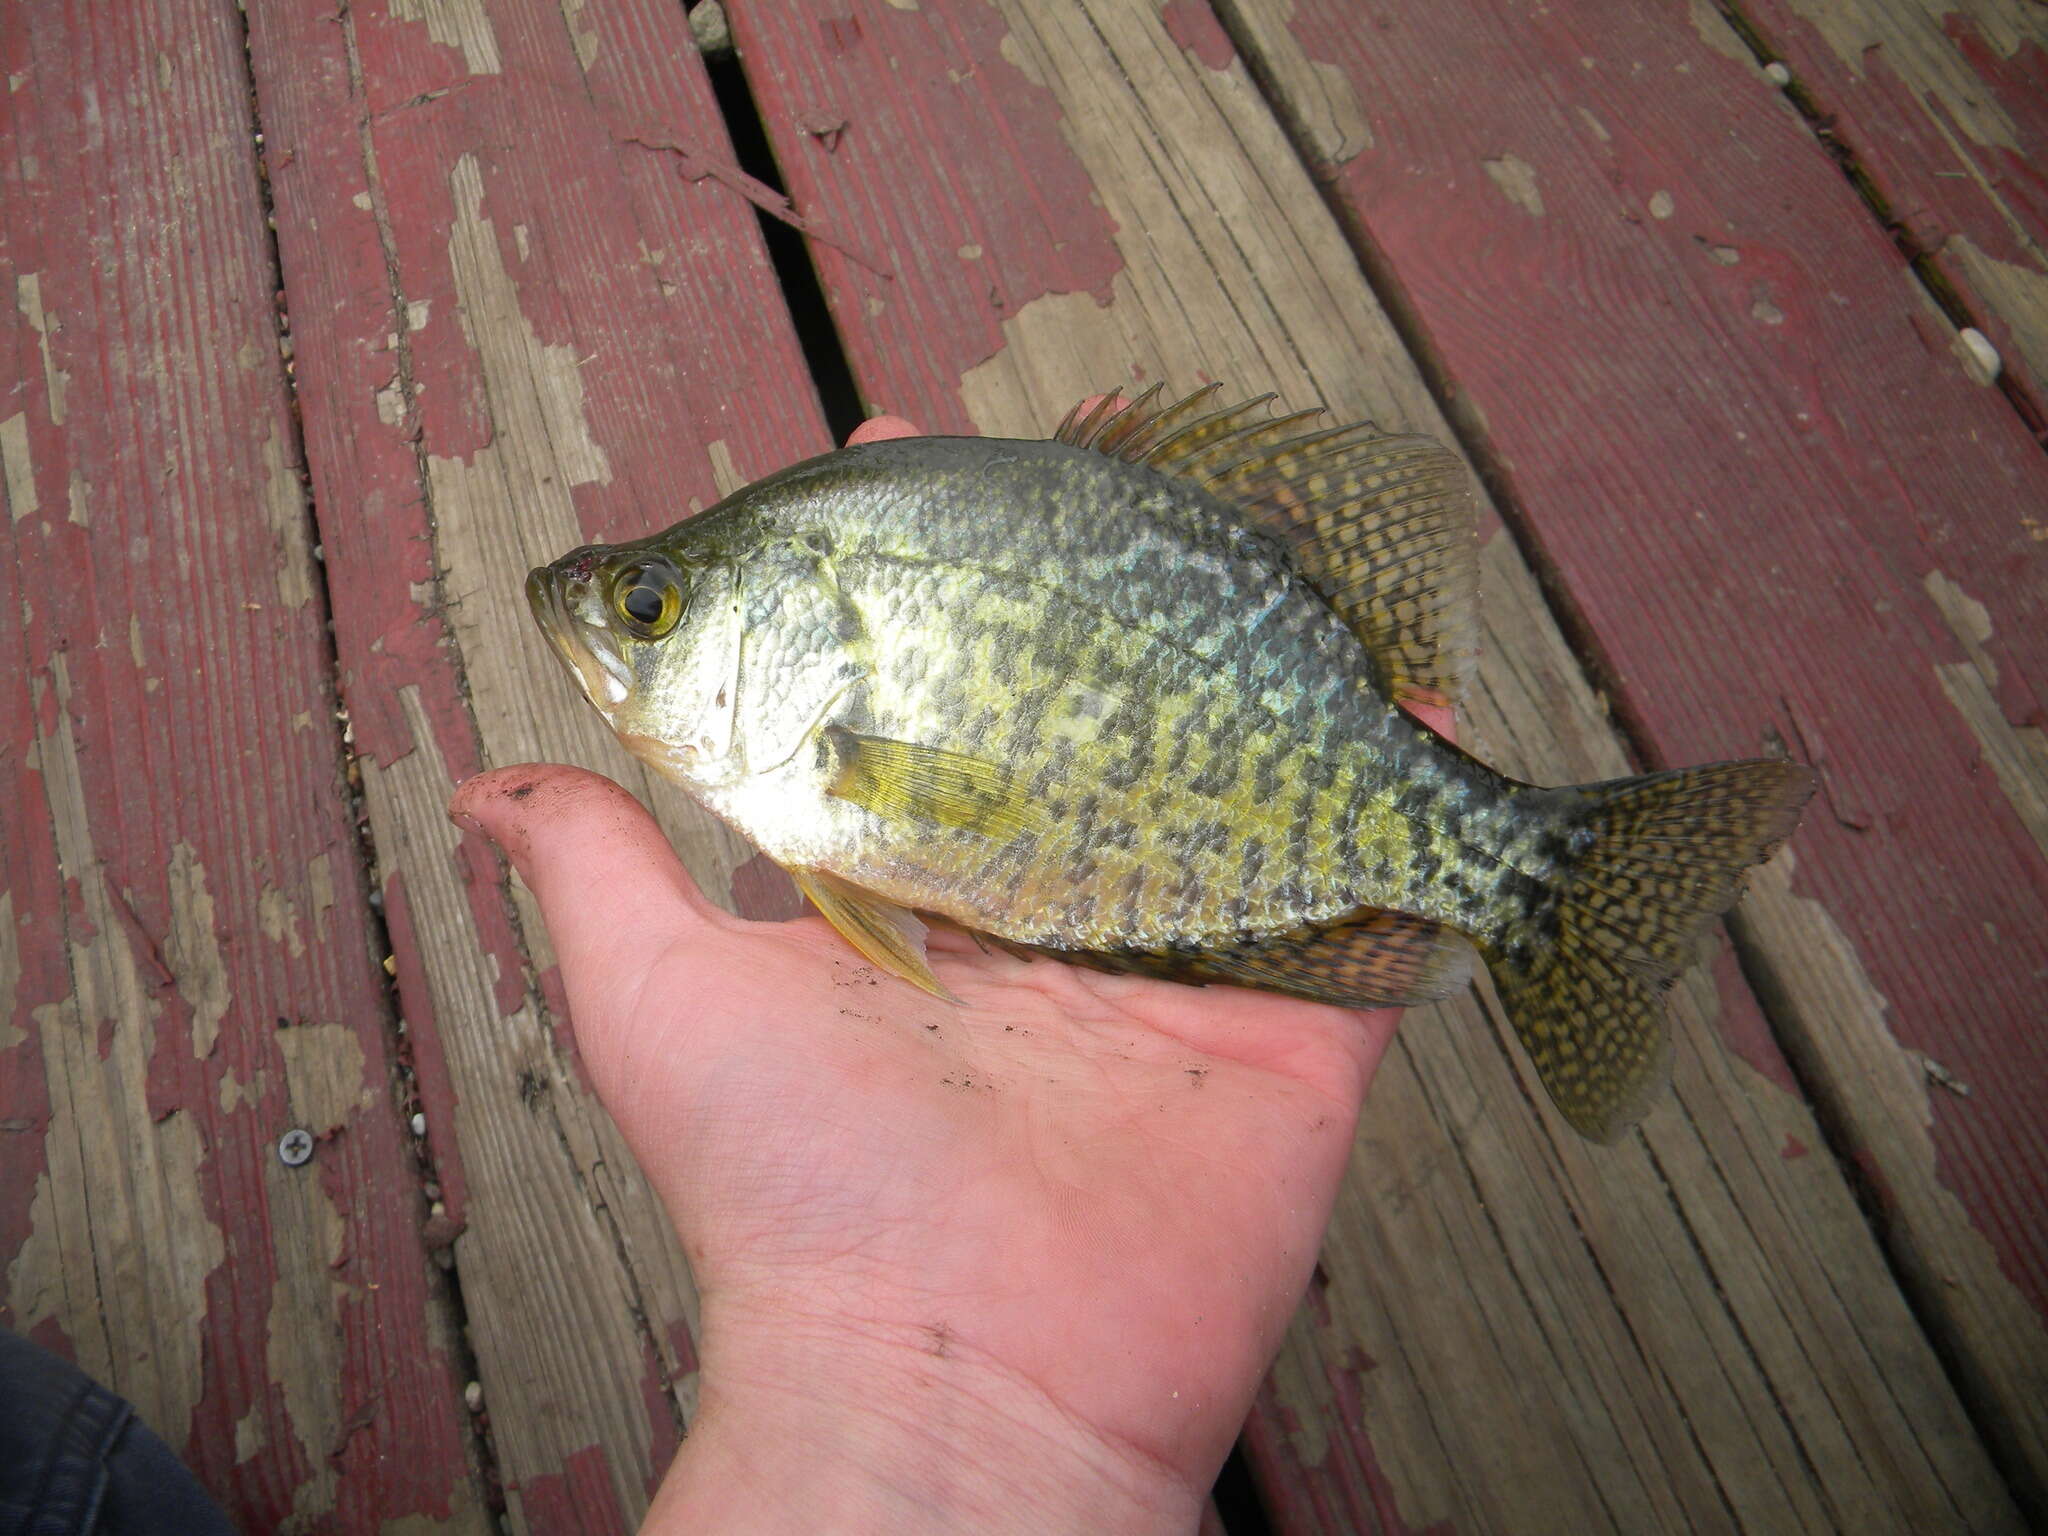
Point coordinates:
[(562, 597)]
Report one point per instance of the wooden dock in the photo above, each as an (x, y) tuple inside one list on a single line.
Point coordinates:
[(331, 317)]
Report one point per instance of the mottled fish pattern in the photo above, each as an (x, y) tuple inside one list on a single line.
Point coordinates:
[(1132, 696)]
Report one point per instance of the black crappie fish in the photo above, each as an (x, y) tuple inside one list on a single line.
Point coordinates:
[(1131, 696)]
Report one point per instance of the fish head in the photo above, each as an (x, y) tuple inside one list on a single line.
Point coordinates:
[(650, 632)]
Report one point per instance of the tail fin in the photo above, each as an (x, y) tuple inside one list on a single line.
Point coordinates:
[(1648, 863)]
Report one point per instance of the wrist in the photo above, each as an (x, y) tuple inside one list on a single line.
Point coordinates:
[(806, 1429)]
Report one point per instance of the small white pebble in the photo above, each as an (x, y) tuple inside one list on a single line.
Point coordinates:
[(1980, 358), (473, 1395), (1778, 75), (708, 27), (419, 1125)]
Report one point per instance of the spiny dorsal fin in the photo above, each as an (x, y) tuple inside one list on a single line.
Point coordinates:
[(1368, 959), (1382, 525)]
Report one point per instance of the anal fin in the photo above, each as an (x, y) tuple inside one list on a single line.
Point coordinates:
[(890, 936), (1371, 958)]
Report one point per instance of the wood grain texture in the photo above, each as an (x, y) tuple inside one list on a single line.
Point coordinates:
[(1741, 437), (187, 967), (525, 317), (1512, 1330), (1945, 108)]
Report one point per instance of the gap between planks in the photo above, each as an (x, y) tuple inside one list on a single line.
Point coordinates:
[(1925, 264), (367, 863)]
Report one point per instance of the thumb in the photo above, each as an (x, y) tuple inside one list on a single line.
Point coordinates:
[(612, 890)]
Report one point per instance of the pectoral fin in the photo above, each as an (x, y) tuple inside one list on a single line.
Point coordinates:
[(904, 781), (889, 935)]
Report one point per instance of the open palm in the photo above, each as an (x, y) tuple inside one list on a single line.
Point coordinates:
[(1099, 1194), (1033, 1248)]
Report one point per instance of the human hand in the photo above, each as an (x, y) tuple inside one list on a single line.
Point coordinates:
[(1017, 1262)]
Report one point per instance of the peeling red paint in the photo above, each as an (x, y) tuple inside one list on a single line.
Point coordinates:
[(1907, 137), (482, 879), (1742, 1023), (1794, 1148), (1195, 29), (1345, 1387), (611, 261), (429, 1059), (1806, 459), (683, 1347), (1346, 1492), (179, 787), (577, 1501), (1870, 1172), (970, 261), (1318, 1295), (555, 996), (664, 1439)]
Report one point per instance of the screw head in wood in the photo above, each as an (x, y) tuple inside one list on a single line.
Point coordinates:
[(295, 1147)]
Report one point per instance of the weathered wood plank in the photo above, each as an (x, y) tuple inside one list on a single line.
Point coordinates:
[(1777, 501), (1516, 1331), (520, 325), (1946, 111), (186, 958)]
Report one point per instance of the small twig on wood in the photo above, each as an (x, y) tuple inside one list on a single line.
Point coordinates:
[(1941, 1076), (164, 977), (421, 100), (697, 166)]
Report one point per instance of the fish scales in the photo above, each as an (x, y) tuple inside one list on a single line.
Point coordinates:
[(1132, 696), (1122, 576)]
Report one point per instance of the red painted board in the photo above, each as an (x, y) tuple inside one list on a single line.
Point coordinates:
[(388, 377), (187, 966), (1732, 429), (367, 265), (1346, 1491), (992, 230), (1945, 109), (567, 149)]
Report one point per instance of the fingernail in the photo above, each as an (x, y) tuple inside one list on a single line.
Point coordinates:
[(467, 822)]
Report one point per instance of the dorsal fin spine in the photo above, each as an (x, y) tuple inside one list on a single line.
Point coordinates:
[(1090, 424), (1127, 422), (1174, 454), (1380, 524), (1169, 418)]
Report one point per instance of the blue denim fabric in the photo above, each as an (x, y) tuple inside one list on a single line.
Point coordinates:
[(74, 1458)]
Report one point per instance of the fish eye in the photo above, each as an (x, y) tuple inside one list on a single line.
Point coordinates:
[(647, 598)]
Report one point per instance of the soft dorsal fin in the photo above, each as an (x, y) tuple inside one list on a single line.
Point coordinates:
[(1381, 524)]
